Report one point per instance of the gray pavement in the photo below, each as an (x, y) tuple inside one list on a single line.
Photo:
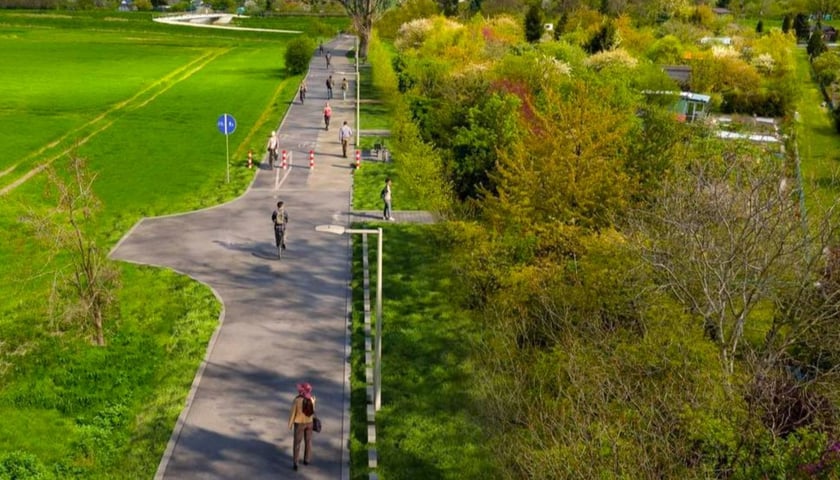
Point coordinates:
[(284, 321)]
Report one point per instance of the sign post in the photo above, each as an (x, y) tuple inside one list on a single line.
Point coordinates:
[(227, 125)]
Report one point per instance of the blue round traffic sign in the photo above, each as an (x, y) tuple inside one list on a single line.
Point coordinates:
[(226, 124)]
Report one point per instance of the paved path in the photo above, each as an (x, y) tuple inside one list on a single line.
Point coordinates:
[(283, 321)]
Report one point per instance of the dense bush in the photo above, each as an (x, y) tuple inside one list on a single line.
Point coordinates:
[(763, 104), (584, 343), (298, 53), (21, 466)]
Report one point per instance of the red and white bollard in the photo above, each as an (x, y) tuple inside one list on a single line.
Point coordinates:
[(312, 159), (358, 159), (250, 159), (284, 159)]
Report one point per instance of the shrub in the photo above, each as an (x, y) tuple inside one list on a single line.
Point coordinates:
[(298, 53), (21, 466)]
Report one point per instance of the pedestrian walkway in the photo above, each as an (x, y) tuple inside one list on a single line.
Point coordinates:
[(283, 322)]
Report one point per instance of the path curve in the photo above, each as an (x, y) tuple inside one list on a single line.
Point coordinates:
[(283, 321)]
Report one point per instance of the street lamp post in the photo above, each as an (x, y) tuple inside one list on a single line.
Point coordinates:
[(377, 362)]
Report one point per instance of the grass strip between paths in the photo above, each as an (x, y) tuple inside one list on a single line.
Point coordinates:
[(424, 428)]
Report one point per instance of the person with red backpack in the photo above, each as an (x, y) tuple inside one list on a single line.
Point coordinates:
[(301, 420)]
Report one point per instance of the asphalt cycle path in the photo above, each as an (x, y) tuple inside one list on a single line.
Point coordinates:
[(284, 321)]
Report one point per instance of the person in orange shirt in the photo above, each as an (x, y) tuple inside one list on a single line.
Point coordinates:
[(300, 419)]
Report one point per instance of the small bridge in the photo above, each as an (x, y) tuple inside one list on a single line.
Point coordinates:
[(213, 20)]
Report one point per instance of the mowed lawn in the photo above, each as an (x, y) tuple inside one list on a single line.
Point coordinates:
[(818, 141), (140, 102)]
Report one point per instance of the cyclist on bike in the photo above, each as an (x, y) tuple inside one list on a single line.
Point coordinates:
[(272, 147), (280, 218)]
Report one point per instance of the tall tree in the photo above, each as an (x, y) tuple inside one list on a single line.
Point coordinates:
[(560, 26), (728, 241), (787, 23), (816, 44), (569, 170), (801, 26), (533, 24), (363, 13), (87, 286), (607, 38)]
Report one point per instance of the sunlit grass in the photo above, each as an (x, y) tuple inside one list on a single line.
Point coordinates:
[(139, 101), (425, 428), (818, 141)]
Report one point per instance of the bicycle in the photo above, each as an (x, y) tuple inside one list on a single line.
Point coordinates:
[(272, 157)]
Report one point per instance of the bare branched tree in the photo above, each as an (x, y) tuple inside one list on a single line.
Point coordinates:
[(729, 241), (363, 13), (85, 285)]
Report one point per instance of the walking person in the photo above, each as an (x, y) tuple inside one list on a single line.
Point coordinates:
[(300, 419), (302, 90), (329, 87), (280, 219), (344, 87), (273, 145), (328, 56), (344, 135), (327, 115), (320, 48), (385, 194)]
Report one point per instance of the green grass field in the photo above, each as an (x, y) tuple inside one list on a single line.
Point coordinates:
[(139, 100), (818, 141)]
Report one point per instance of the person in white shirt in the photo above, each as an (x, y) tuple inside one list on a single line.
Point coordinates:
[(344, 135), (272, 146)]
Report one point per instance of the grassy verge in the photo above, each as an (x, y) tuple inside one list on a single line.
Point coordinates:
[(818, 141), (373, 111), (424, 429)]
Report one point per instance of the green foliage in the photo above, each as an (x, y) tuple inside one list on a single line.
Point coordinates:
[(566, 346), (384, 77), (787, 23), (560, 25), (666, 50), (420, 165), (224, 5), (298, 54), (658, 143), (532, 181), (801, 26), (826, 67), (21, 466), (491, 129), (533, 24), (579, 344), (606, 38), (391, 21), (816, 45)]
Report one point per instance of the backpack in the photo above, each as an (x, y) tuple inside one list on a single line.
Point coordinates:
[(308, 407)]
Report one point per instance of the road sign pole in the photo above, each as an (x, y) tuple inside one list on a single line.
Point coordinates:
[(227, 158), (227, 125)]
